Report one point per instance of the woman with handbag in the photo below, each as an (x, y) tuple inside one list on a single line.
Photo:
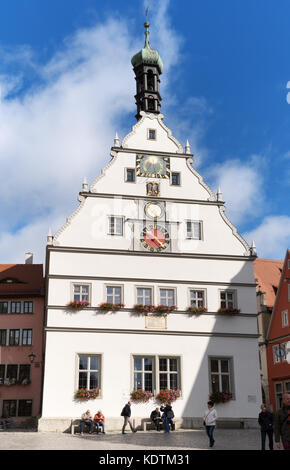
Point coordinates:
[(209, 421)]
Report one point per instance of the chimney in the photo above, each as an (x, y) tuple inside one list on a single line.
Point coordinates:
[(28, 258)]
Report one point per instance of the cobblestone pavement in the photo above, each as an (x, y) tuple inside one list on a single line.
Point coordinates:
[(225, 439)]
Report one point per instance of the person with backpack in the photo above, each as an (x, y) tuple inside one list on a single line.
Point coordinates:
[(126, 413), (282, 424), (167, 418)]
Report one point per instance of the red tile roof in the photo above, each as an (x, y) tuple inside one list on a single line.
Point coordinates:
[(21, 279), (268, 273)]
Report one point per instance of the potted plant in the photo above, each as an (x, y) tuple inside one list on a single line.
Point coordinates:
[(84, 394), (228, 310), (191, 309), (220, 397), (109, 306), (168, 395), (141, 395), (78, 304), (164, 309), (144, 308)]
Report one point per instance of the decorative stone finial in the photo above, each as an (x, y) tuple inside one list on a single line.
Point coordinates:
[(253, 249), (187, 147), (116, 141), (49, 237), (219, 195), (85, 185)]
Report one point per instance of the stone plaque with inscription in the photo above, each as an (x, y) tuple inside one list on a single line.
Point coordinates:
[(155, 322)]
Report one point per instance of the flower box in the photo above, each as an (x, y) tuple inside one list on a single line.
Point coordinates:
[(84, 394), (220, 397), (108, 306), (168, 395), (141, 396), (78, 304), (196, 309), (162, 309), (228, 310), (144, 308), (158, 309)]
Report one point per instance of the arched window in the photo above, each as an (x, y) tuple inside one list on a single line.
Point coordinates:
[(151, 103), (150, 80)]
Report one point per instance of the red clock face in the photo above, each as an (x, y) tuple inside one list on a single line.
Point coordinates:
[(155, 238)]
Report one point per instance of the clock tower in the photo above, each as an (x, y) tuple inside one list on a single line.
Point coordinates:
[(147, 66), (149, 285)]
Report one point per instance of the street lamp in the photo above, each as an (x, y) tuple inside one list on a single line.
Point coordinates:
[(32, 356)]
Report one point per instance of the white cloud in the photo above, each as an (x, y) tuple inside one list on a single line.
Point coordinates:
[(241, 184), (272, 237), (61, 128)]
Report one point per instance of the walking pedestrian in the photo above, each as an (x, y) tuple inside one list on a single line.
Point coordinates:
[(126, 413), (282, 424), (266, 420), (209, 421)]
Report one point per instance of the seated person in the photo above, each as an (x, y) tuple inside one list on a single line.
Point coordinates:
[(156, 418), (99, 419), (87, 419)]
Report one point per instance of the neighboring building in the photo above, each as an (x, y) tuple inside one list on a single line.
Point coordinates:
[(267, 274), (277, 338), (21, 339), (150, 231)]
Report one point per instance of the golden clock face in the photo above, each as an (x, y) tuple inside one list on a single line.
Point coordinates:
[(152, 166), (154, 238)]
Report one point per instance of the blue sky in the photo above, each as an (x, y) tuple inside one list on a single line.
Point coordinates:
[(66, 86)]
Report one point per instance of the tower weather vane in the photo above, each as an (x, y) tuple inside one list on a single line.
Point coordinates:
[(146, 13)]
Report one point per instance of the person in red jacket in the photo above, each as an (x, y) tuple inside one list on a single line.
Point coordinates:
[(99, 419)]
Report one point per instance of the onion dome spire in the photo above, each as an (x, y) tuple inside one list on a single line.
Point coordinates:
[(147, 65)]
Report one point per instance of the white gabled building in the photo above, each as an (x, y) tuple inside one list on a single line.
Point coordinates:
[(150, 231)]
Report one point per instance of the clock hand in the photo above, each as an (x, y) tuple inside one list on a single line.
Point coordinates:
[(155, 238)]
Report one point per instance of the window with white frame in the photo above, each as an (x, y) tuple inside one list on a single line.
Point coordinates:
[(81, 292), (28, 307), (14, 337), (26, 337), (194, 230), (220, 374), (144, 296), (143, 373), (169, 373), (278, 394), (3, 337), (151, 134), (277, 353), (197, 298), (89, 371), (115, 225), (285, 321), (130, 175), (175, 178), (228, 299), (15, 307), (167, 297), (3, 307), (114, 294)]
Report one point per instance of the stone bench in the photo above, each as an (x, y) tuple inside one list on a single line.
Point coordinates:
[(76, 423)]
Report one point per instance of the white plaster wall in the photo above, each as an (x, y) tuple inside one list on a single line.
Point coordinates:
[(150, 267), (88, 227), (61, 374)]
